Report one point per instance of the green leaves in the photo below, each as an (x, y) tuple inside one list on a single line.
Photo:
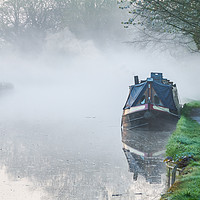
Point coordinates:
[(175, 16)]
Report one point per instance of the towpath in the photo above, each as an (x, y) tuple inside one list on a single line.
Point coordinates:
[(195, 114)]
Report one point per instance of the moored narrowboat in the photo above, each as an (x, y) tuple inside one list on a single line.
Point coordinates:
[(152, 104)]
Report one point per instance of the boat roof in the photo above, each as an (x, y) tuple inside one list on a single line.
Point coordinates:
[(162, 87)]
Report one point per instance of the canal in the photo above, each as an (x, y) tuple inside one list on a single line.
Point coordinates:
[(61, 136), (84, 159)]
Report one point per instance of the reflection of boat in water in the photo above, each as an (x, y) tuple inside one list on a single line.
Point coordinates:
[(151, 105), (144, 152)]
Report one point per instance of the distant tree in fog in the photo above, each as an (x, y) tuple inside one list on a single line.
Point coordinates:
[(13, 18), (28, 21), (166, 20), (91, 18)]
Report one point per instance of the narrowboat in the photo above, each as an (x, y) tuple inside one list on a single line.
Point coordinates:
[(152, 104)]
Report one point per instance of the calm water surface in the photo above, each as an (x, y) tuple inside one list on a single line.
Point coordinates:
[(83, 159), (52, 153)]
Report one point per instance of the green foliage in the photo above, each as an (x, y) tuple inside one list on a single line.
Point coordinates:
[(188, 107), (186, 141), (171, 16), (188, 187)]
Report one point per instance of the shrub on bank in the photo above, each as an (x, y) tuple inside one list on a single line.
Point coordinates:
[(185, 141)]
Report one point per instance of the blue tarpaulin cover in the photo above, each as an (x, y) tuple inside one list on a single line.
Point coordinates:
[(164, 92), (136, 92)]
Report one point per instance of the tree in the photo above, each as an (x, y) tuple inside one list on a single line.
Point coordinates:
[(13, 18), (91, 18), (175, 17), (25, 22)]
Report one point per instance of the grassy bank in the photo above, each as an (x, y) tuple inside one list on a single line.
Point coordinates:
[(185, 141)]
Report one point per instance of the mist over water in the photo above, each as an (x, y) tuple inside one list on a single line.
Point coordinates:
[(86, 79), (60, 124)]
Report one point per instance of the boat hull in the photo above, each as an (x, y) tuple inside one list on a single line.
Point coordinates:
[(153, 120)]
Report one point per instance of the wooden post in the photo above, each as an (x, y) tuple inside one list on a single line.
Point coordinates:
[(169, 178), (174, 174)]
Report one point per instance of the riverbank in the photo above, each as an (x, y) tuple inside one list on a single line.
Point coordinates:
[(185, 141)]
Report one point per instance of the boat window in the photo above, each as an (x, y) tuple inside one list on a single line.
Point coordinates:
[(156, 100), (143, 100)]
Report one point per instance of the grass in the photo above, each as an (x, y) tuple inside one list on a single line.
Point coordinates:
[(185, 140)]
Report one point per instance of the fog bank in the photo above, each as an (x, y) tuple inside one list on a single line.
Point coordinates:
[(74, 79)]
